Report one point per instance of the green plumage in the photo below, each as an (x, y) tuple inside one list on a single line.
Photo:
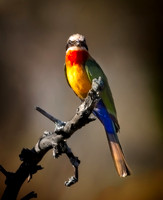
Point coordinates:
[(94, 71), (77, 56)]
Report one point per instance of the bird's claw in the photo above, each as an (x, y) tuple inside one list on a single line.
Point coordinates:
[(97, 84)]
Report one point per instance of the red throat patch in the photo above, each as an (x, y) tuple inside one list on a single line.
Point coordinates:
[(76, 56)]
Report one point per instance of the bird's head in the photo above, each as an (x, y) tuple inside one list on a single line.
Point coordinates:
[(77, 41)]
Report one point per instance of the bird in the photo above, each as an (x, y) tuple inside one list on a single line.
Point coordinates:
[(80, 69)]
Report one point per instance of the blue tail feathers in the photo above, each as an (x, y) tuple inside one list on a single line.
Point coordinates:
[(102, 114), (111, 128)]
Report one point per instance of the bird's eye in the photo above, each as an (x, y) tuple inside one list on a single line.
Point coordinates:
[(69, 44)]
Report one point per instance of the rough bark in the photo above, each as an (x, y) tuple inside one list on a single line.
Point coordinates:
[(52, 140)]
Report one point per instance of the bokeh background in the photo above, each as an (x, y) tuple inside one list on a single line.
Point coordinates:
[(125, 38)]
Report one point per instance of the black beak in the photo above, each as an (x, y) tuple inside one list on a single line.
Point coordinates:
[(78, 43)]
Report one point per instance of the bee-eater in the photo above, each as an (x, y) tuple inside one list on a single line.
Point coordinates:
[(80, 70)]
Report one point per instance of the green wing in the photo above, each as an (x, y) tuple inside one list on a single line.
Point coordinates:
[(94, 71)]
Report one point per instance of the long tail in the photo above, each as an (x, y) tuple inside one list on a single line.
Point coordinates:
[(118, 156), (111, 127)]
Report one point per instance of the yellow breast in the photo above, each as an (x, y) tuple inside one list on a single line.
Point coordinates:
[(78, 80)]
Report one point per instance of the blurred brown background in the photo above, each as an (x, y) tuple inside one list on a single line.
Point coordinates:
[(125, 38)]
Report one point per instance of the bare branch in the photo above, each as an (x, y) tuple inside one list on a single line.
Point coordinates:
[(52, 140), (53, 119), (30, 196)]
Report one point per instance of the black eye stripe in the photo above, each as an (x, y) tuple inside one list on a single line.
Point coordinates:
[(71, 43)]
